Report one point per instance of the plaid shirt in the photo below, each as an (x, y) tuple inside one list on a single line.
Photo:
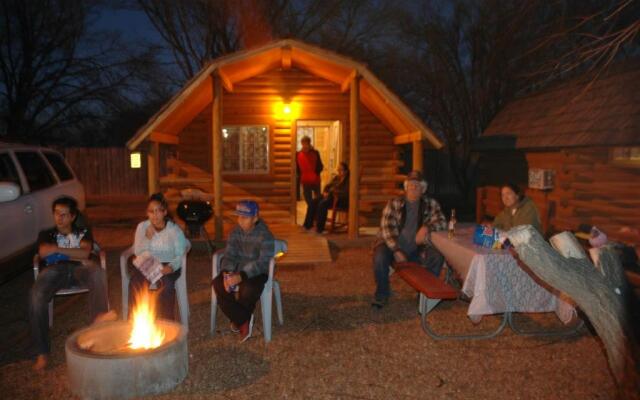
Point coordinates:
[(394, 215), (249, 253)]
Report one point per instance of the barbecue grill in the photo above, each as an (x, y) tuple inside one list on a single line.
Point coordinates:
[(195, 213)]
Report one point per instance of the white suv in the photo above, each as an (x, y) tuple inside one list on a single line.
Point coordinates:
[(30, 179)]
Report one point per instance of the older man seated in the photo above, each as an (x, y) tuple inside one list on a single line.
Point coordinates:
[(405, 226)]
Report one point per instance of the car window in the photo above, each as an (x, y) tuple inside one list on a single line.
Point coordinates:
[(8, 172), (58, 164), (35, 170)]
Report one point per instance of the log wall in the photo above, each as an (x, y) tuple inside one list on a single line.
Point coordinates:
[(252, 103), (107, 171), (589, 189)]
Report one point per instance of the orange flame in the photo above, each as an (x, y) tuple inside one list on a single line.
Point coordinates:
[(145, 334)]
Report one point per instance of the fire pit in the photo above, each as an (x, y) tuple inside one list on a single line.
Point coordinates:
[(120, 359)]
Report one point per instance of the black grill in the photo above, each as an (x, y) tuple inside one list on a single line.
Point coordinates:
[(195, 213)]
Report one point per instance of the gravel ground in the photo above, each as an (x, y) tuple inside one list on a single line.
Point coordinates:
[(332, 345)]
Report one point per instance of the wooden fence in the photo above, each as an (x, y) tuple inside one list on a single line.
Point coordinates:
[(106, 171)]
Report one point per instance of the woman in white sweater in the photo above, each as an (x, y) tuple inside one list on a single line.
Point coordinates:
[(164, 240)]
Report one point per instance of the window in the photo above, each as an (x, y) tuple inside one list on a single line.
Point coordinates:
[(626, 156), (8, 172), (245, 149), (58, 164), (35, 170)]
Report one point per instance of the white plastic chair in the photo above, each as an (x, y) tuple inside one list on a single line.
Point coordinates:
[(70, 290), (271, 289), (181, 286)]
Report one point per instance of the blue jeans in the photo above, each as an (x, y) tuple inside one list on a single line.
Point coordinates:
[(311, 195), (54, 278), (428, 257)]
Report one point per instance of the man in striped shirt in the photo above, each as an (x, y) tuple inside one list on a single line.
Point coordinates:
[(404, 235)]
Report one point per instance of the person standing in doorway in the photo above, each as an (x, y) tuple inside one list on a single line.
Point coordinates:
[(309, 165)]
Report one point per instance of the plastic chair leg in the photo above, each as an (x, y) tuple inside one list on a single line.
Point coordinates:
[(265, 305), (276, 294), (183, 301), (125, 297), (51, 313), (214, 309)]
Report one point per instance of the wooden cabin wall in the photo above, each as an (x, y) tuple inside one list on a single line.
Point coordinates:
[(589, 189), (252, 103)]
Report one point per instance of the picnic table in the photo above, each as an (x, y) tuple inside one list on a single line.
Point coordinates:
[(494, 281)]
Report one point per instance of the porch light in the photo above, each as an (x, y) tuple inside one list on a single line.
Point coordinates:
[(286, 109), (225, 133), (135, 160)]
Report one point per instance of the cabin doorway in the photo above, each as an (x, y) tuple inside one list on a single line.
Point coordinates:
[(325, 137)]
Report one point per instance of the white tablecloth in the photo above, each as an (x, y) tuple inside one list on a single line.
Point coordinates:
[(494, 281)]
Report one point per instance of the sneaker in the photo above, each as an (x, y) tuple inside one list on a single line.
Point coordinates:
[(246, 330), (379, 303), (234, 328)]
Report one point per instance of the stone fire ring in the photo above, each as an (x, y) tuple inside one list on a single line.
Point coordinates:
[(104, 372)]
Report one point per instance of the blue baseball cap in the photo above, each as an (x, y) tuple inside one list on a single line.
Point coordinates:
[(247, 208)]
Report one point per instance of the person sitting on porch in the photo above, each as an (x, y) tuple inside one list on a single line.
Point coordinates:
[(309, 165), (66, 252), (405, 227), (518, 209), (336, 191), (245, 268), (163, 239)]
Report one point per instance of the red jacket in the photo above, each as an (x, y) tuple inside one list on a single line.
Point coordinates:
[(309, 167)]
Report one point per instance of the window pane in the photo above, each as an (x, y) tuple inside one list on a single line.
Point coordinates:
[(58, 164), (246, 149), (36, 170), (8, 172)]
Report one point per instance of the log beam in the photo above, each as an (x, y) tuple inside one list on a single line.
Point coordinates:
[(354, 157), (153, 168), (216, 153), (226, 81), (286, 57), (164, 138), (407, 137), (418, 156), (346, 84)]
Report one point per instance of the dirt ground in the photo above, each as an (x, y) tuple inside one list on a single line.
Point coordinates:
[(332, 345)]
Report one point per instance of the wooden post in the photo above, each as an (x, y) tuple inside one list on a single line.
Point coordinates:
[(418, 156), (153, 168), (216, 152), (354, 157)]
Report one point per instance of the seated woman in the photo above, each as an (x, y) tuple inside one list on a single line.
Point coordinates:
[(164, 240), (338, 189), (518, 209)]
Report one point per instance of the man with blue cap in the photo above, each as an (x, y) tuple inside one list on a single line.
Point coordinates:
[(245, 268)]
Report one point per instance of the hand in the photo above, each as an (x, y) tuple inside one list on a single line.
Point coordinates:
[(422, 235), (233, 278), (399, 256), (325, 195), (166, 270), (150, 232)]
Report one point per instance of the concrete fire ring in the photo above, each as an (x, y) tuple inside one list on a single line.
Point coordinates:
[(95, 374)]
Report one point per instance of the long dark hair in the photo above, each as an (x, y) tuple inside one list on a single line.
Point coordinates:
[(159, 197), (346, 169)]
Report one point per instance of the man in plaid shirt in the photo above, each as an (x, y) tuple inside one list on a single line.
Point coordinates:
[(404, 234)]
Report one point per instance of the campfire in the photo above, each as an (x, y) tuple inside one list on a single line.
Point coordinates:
[(145, 333), (123, 359)]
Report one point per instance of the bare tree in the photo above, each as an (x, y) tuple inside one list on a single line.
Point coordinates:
[(53, 75)]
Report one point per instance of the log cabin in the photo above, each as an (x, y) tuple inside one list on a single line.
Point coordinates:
[(233, 131), (583, 136)]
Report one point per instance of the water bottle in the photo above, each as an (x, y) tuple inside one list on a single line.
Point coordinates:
[(452, 224)]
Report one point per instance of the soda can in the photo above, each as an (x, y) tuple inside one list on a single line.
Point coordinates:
[(232, 288)]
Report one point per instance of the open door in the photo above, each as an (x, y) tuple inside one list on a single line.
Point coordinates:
[(327, 139)]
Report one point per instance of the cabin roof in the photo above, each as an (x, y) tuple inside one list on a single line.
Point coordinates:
[(585, 111), (288, 53)]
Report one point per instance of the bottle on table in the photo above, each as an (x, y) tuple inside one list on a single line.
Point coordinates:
[(452, 224)]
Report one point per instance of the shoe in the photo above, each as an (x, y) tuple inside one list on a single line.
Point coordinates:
[(246, 330), (234, 328), (380, 303), (41, 363)]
